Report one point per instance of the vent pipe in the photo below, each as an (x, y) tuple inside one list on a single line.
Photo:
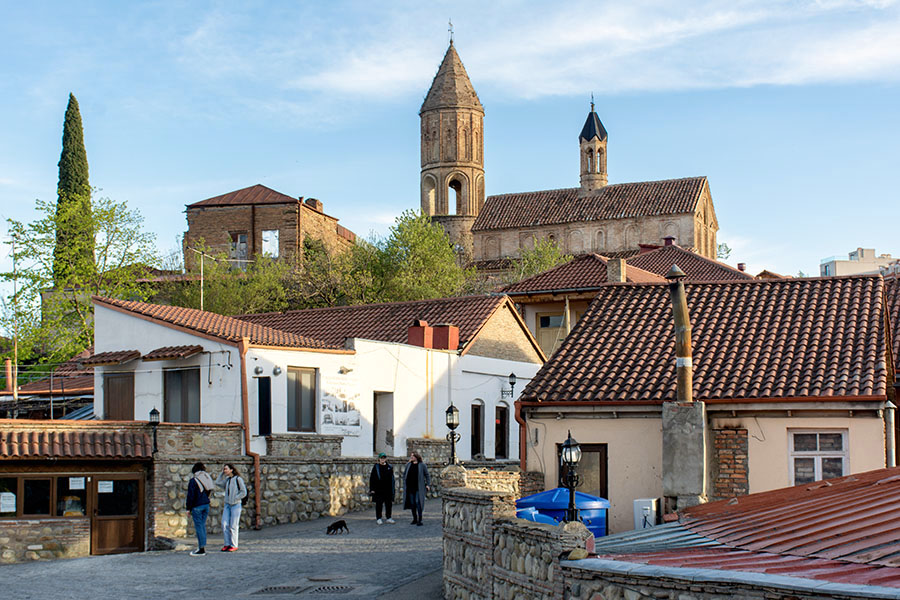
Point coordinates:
[(683, 353)]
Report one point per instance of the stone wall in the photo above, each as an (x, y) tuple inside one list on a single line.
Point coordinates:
[(33, 539), (731, 477), (435, 452), (304, 445), (191, 439)]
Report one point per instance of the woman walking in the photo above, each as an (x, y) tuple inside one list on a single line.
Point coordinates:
[(199, 487), (416, 481), (235, 490)]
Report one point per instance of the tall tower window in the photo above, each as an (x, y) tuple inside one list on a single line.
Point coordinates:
[(456, 186), (590, 161)]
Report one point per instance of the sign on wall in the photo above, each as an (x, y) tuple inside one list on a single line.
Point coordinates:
[(340, 397)]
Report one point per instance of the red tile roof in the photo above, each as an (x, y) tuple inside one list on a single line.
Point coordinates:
[(172, 352), (255, 194), (616, 201), (388, 322), (791, 338), (74, 444), (219, 326), (582, 273), (116, 357), (695, 266)]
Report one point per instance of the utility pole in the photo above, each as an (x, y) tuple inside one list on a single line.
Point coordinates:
[(15, 375)]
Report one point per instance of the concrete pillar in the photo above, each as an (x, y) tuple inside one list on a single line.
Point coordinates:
[(685, 454)]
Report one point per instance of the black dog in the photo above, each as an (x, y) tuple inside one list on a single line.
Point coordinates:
[(337, 526)]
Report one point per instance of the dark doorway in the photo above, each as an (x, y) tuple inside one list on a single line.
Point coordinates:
[(264, 400), (592, 469), (118, 392), (118, 514), (477, 430), (501, 432)]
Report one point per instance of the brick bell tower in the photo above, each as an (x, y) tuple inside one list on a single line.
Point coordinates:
[(452, 150), (592, 143)]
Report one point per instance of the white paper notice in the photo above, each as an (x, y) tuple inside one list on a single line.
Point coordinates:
[(104, 487), (76, 483), (7, 502)]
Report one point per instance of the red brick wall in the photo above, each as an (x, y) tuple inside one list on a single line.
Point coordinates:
[(730, 452)]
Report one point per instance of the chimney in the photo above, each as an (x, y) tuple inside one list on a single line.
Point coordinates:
[(315, 204), (669, 240), (9, 378), (742, 267), (684, 424), (615, 270), (420, 334), (647, 247), (446, 337)]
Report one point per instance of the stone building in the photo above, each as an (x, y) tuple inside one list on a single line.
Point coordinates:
[(260, 221), (594, 217)]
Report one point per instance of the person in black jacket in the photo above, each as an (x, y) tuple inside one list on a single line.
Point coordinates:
[(381, 488), (199, 487)]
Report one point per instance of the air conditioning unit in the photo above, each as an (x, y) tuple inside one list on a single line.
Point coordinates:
[(646, 512)]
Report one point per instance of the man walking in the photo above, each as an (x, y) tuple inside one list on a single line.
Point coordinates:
[(381, 488)]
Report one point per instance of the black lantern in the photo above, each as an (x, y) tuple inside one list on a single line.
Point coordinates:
[(154, 421), (512, 385), (570, 455), (452, 416)]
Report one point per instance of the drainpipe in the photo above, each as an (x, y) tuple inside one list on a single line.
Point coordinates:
[(683, 361), (523, 433), (245, 418), (889, 415)]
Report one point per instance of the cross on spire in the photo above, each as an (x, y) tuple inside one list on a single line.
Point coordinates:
[(592, 101), (450, 29)]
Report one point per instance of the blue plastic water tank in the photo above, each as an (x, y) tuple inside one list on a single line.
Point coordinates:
[(593, 510)]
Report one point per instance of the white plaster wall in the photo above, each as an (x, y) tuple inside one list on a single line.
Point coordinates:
[(768, 460)]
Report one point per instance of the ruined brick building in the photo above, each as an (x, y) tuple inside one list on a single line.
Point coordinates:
[(260, 221), (610, 219)]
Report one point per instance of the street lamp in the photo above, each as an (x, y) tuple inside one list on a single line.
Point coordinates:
[(452, 416), (571, 454), (512, 384), (154, 422)]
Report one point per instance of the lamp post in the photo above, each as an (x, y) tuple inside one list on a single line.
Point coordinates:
[(512, 384), (571, 454), (452, 416), (154, 422)]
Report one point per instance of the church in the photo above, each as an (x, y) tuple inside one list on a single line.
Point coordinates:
[(608, 219)]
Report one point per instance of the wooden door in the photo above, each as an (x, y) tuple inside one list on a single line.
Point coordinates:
[(264, 402), (118, 392), (117, 519)]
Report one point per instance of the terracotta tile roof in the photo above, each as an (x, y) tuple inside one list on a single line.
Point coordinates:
[(616, 201), (582, 273), (116, 357), (695, 266), (74, 444), (172, 352), (626, 254), (892, 300), (226, 328), (255, 194), (790, 338), (388, 322)]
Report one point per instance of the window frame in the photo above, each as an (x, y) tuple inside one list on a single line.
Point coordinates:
[(299, 408), (166, 418), (817, 455), (54, 513), (277, 243)]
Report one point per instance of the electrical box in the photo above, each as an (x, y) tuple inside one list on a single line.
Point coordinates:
[(646, 512)]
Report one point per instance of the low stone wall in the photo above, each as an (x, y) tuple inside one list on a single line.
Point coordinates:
[(196, 439), (33, 539), (304, 445), (435, 453)]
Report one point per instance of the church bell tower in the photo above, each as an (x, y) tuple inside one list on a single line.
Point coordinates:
[(452, 151), (592, 144)]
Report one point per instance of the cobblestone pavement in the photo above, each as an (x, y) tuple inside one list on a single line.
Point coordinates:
[(286, 561)]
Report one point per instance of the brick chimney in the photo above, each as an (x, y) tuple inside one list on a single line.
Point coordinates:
[(315, 204), (615, 270), (422, 334), (742, 267), (446, 337), (669, 240)]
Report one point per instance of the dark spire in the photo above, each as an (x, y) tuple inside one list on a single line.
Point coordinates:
[(592, 126)]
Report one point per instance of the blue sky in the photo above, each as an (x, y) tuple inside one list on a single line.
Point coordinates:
[(790, 108)]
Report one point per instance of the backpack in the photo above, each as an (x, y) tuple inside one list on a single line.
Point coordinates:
[(246, 496)]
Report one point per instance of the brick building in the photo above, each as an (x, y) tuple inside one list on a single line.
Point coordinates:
[(260, 221)]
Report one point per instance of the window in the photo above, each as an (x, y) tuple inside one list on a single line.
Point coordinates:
[(36, 497), (270, 243), (239, 250), (48, 496), (501, 432), (301, 399), (71, 496), (818, 455), (9, 492), (477, 430), (592, 469), (182, 395), (551, 331)]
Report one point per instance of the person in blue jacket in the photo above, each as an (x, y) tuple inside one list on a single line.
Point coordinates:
[(199, 487)]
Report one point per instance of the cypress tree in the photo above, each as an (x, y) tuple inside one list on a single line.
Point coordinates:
[(74, 251)]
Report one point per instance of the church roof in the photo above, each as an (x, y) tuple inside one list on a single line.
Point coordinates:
[(592, 127), (695, 266), (617, 201), (451, 87)]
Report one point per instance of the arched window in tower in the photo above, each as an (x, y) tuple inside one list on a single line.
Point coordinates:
[(600, 241), (434, 147), (466, 149), (475, 138), (589, 156), (429, 191), (599, 165), (457, 188), (449, 145)]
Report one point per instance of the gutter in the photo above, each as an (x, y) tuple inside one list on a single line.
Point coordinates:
[(523, 432), (245, 417)]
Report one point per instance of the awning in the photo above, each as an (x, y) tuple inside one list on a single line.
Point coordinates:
[(172, 352), (75, 444), (116, 357)]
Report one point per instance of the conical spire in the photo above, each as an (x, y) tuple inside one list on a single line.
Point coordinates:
[(451, 87), (592, 127)]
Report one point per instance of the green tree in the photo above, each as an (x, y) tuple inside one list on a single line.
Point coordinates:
[(52, 312), (73, 248), (544, 254)]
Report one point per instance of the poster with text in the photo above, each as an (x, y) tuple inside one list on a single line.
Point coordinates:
[(340, 399)]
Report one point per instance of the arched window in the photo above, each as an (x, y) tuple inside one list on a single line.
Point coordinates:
[(599, 161), (589, 156), (457, 188), (477, 433), (466, 150), (429, 190), (501, 430), (600, 241)]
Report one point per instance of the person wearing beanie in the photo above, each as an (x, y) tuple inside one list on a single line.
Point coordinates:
[(381, 488)]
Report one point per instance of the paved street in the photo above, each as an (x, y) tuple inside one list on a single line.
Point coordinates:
[(296, 560)]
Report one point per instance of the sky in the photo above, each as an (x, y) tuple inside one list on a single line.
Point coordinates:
[(790, 107)]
